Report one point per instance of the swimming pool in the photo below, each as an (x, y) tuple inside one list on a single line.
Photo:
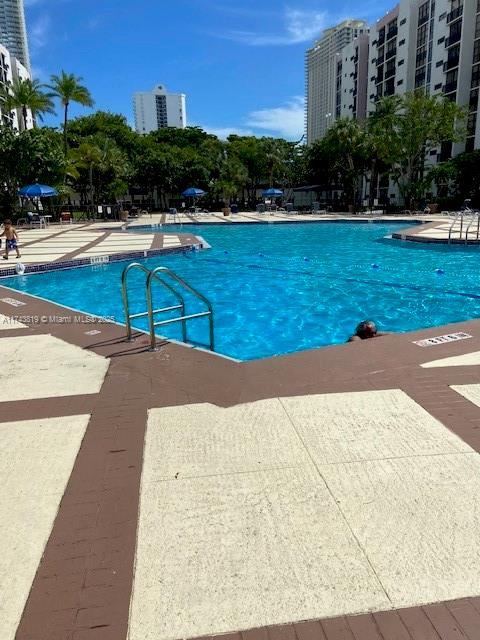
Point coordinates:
[(282, 288)]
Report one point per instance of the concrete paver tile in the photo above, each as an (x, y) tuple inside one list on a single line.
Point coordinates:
[(469, 391), (42, 366), (252, 549), (31, 496), (418, 521), (202, 439), (342, 427)]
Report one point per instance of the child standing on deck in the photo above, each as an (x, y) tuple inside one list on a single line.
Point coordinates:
[(11, 237)]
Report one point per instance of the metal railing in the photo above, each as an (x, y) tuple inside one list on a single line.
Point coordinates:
[(475, 216), (467, 218), (458, 215), (158, 275)]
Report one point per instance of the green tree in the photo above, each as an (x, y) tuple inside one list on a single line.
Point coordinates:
[(412, 126), (382, 140), (87, 156), (109, 125), (34, 155), (68, 88), (346, 145), (27, 95), (233, 178), (250, 151)]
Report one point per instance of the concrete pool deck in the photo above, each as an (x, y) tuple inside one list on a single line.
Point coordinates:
[(331, 494), (439, 231), (60, 247)]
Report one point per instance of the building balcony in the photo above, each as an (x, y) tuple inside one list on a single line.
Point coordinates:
[(391, 53), (451, 63), (392, 33), (380, 41), (453, 39), (455, 14), (450, 87)]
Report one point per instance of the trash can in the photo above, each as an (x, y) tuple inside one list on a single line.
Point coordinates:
[(234, 208)]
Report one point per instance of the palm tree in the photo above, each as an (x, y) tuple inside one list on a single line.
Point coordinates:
[(68, 88), (27, 95), (87, 156)]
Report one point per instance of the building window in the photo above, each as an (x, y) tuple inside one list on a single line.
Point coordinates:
[(422, 35), (476, 52), (424, 13), (476, 76)]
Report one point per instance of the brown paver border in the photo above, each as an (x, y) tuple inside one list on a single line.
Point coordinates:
[(82, 588)]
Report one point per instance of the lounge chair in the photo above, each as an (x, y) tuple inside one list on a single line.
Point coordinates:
[(33, 220)]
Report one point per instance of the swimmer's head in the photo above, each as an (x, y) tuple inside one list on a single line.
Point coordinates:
[(366, 329)]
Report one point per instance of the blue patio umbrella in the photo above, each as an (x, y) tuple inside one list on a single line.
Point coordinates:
[(38, 191), (193, 193), (272, 193)]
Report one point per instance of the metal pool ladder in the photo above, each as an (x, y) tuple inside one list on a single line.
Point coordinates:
[(162, 275)]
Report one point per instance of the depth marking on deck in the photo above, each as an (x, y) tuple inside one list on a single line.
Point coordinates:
[(13, 302), (450, 337)]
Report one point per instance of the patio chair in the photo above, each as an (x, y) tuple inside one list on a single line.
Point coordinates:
[(174, 213), (66, 218), (33, 220)]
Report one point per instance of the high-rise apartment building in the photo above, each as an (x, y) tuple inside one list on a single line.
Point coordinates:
[(432, 45), (13, 30), (158, 109), (322, 71), (11, 69), (351, 83)]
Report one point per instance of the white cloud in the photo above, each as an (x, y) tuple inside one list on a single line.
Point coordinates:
[(39, 32), (298, 26), (224, 132), (287, 121)]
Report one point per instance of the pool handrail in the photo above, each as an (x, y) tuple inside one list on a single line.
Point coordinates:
[(156, 275), (450, 231), (475, 216)]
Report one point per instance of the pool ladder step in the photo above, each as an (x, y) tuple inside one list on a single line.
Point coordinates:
[(165, 276)]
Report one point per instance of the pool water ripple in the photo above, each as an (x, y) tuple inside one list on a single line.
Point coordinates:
[(277, 289)]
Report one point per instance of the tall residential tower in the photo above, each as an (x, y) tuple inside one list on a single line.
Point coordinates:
[(158, 109), (322, 68), (13, 31)]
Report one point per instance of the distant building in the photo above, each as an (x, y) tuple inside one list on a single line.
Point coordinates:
[(322, 72), (13, 31), (352, 79), (11, 69), (159, 109)]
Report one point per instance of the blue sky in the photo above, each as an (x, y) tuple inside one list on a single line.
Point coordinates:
[(241, 64)]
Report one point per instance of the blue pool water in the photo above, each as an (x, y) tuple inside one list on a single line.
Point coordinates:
[(282, 288)]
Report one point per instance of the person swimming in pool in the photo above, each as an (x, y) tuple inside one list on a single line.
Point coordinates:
[(366, 330)]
